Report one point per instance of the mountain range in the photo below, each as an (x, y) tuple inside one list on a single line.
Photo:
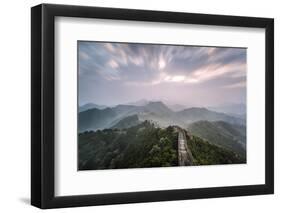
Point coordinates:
[(157, 111), (90, 106), (231, 109), (217, 128)]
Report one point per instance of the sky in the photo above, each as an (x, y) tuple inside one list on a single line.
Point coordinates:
[(118, 73)]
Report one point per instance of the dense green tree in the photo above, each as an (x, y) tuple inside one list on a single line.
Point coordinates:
[(142, 146)]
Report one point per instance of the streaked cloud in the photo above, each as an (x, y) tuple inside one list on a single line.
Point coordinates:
[(145, 65), (113, 64), (236, 85)]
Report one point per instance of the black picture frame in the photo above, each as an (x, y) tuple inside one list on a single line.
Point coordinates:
[(43, 102)]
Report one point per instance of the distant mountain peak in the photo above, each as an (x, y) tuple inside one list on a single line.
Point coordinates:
[(88, 106), (140, 102), (124, 105), (202, 109), (235, 108), (156, 103)]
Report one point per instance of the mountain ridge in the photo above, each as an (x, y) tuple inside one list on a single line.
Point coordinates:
[(229, 136), (153, 110), (88, 106)]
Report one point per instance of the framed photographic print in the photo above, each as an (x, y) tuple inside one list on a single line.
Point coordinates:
[(140, 106)]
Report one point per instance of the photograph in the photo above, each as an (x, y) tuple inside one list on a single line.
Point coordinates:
[(160, 105), (141, 105)]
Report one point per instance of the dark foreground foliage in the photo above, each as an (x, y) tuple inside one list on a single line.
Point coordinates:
[(205, 153), (144, 146), (140, 146)]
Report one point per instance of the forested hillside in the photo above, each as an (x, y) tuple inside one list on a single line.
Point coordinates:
[(144, 145), (229, 136)]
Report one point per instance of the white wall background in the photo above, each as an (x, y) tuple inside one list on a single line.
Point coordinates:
[(15, 105)]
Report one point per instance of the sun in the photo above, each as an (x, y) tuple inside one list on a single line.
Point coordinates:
[(161, 64)]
